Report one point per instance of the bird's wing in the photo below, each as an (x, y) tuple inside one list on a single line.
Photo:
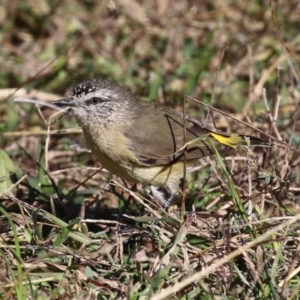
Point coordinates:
[(161, 141)]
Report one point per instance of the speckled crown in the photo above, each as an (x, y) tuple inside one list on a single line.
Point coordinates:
[(91, 86)]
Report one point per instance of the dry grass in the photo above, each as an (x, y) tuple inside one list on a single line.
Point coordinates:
[(70, 231)]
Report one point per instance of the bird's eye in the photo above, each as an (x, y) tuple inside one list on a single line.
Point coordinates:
[(93, 101)]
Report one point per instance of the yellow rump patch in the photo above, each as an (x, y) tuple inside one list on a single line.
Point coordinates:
[(231, 141)]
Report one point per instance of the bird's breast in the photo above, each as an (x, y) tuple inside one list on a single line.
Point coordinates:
[(111, 148)]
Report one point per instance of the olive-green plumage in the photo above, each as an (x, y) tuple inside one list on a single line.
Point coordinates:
[(140, 141)]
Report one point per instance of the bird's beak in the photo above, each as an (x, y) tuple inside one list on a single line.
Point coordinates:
[(64, 102)]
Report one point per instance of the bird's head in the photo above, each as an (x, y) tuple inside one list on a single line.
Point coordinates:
[(98, 100)]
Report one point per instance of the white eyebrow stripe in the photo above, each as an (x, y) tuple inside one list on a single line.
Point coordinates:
[(102, 93)]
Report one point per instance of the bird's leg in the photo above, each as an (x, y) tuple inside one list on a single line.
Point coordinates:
[(161, 198), (158, 195), (169, 201)]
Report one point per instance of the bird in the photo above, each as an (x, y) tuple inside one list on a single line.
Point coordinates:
[(143, 142)]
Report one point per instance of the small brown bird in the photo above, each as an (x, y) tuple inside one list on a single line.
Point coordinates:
[(140, 141)]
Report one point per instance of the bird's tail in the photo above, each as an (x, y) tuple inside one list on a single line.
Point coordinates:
[(233, 140)]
